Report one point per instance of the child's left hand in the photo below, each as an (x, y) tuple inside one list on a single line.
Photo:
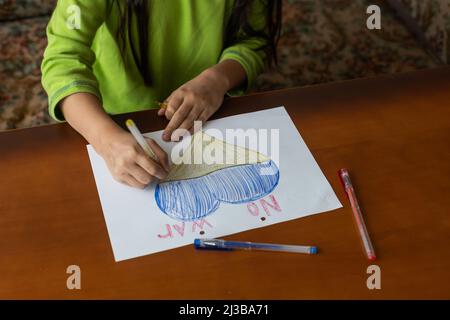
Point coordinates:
[(196, 100)]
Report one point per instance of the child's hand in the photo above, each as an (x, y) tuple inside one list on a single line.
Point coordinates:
[(125, 158), (196, 100), (128, 163)]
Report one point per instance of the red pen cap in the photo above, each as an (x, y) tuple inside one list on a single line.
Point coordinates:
[(345, 179)]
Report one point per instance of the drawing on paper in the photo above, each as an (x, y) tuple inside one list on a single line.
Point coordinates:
[(193, 191)]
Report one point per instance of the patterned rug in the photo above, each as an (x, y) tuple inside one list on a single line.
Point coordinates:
[(322, 41), (327, 40)]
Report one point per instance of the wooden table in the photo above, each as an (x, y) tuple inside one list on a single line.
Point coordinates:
[(392, 133)]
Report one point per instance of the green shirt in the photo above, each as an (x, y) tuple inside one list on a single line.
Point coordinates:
[(185, 38)]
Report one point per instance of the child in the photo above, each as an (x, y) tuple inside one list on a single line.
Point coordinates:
[(116, 56)]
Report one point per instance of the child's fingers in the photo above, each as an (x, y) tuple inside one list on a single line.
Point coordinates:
[(173, 105), (140, 174), (131, 181), (188, 122), (152, 167), (160, 153), (177, 119), (204, 115), (163, 106)]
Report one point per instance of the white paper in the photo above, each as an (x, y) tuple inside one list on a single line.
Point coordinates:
[(137, 226)]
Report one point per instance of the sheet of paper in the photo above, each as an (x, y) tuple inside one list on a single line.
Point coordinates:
[(142, 222)]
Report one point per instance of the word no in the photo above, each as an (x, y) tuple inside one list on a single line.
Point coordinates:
[(267, 205)]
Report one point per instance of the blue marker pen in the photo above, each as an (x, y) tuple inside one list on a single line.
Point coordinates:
[(219, 244)]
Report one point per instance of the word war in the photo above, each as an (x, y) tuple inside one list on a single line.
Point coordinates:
[(181, 228)]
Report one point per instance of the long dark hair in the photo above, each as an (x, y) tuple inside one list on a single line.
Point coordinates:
[(238, 22)]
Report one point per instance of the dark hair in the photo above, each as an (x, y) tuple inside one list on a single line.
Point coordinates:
[(135, 9), (238, 22)]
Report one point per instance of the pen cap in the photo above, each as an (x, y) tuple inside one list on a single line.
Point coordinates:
[(345, 178), (210, 244), (197, 243)]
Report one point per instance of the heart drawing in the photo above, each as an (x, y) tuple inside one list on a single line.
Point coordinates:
[(194, 191)]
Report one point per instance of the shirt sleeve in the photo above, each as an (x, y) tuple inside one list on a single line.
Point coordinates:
[(247, 49), (68, 58)]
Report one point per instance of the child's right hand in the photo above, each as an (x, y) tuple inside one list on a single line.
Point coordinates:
[(127, 161)]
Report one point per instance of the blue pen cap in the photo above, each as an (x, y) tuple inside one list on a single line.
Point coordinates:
[(210, 244), (313, 250), (197, 243)]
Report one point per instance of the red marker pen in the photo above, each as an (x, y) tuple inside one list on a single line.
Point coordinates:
[(345, 179)]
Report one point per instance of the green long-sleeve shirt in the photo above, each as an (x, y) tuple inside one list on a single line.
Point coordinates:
[(185, 38)]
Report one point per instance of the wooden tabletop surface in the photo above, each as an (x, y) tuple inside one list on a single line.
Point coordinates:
[(392, 133)]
